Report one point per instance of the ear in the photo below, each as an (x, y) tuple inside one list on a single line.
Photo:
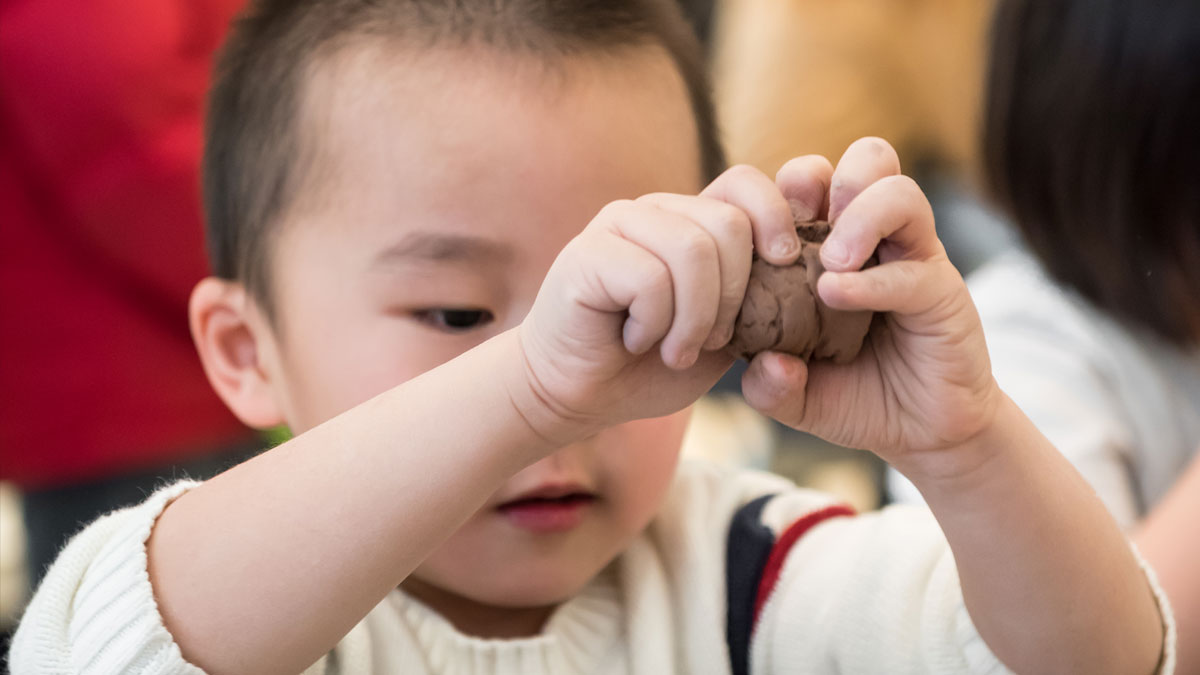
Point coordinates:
[(232, 339)]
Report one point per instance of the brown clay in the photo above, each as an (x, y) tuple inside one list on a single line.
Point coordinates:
[(782, 311)]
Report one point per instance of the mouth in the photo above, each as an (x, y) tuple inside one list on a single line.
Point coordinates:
[(554, 509)]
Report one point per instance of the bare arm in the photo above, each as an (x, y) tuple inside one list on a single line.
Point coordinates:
[(1047, 576), (1168, 539), (265, 567)]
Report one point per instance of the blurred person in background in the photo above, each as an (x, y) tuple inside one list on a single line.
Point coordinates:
[(811, 76), (1091, 137), (805, 76), (100, 125)]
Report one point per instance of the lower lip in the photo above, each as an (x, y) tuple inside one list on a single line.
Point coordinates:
[(544, 517)]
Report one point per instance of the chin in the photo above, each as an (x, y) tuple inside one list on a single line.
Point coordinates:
[(533, 581), (528, 588)]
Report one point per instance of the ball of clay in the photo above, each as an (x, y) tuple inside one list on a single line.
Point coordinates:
[(782, 311)]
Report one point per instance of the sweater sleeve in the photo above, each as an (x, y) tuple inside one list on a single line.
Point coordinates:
[(880, 593), (95, 611)]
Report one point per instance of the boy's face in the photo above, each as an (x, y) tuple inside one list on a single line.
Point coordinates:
[(443, 187)]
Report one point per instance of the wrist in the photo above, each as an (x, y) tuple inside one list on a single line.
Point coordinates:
[(974, 460), (548, 422)]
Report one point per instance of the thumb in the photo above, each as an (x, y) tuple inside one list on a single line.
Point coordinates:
[(774, 385)]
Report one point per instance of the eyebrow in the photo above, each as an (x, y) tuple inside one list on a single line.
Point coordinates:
[(442, 247)]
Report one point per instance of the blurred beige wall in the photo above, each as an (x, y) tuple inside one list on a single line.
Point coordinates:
[(809, 76)]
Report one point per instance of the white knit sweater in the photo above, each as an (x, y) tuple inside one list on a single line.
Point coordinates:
[(870, 594)]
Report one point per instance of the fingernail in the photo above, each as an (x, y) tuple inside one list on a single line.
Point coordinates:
[(785, 246), (779, 369), (835, 253), (802, 211), (719, 339), (778, 375), (688, 359)]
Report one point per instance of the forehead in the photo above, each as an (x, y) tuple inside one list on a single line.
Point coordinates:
[(477, 142)]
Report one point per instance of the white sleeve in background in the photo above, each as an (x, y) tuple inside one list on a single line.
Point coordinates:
[(1054, 363), (1068, 398), (95, 612)]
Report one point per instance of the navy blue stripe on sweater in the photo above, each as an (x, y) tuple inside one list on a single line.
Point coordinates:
[(746, 552)]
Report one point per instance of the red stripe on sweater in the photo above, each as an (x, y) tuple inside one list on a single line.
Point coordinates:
[(785, 543)]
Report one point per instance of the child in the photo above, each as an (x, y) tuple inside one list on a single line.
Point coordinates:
[(1091, 139), (429, 268)]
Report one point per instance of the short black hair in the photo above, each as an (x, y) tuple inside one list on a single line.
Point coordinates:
[(1092, 123), (252, 147)]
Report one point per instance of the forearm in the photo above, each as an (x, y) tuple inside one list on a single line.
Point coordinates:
[(265, 567), (1167, 539), (1047, 576)]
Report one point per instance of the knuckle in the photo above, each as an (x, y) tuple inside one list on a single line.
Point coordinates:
[(806, 162), (731, 305), (907, 189), (734, 289), (692, 331), (579, 247), (908, 277), (698, 246), (901, 182), (742, 172), (731, 223), (618, 210), (656, 279), (820, 161), (875, 285), (911, 194), (733, 299), (652, 198)]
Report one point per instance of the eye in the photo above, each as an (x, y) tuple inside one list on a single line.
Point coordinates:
[(454, 320)]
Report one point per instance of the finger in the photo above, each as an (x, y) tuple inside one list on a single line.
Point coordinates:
[(864, 162), (804, 182), (690, 254), (905, 287), (774, 384), (730, 228), (750, 190), (891, 210), (630, 279)]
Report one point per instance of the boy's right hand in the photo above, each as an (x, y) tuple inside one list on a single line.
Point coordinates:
[(666, 271)]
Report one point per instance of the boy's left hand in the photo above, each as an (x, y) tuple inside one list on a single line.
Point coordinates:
[(922, 382), (633, 316)]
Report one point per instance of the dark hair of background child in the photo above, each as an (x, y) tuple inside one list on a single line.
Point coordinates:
[(254, 156), (1092, 129)]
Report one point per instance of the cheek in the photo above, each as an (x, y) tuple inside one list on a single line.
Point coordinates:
[(329, 371), (640, 465)]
